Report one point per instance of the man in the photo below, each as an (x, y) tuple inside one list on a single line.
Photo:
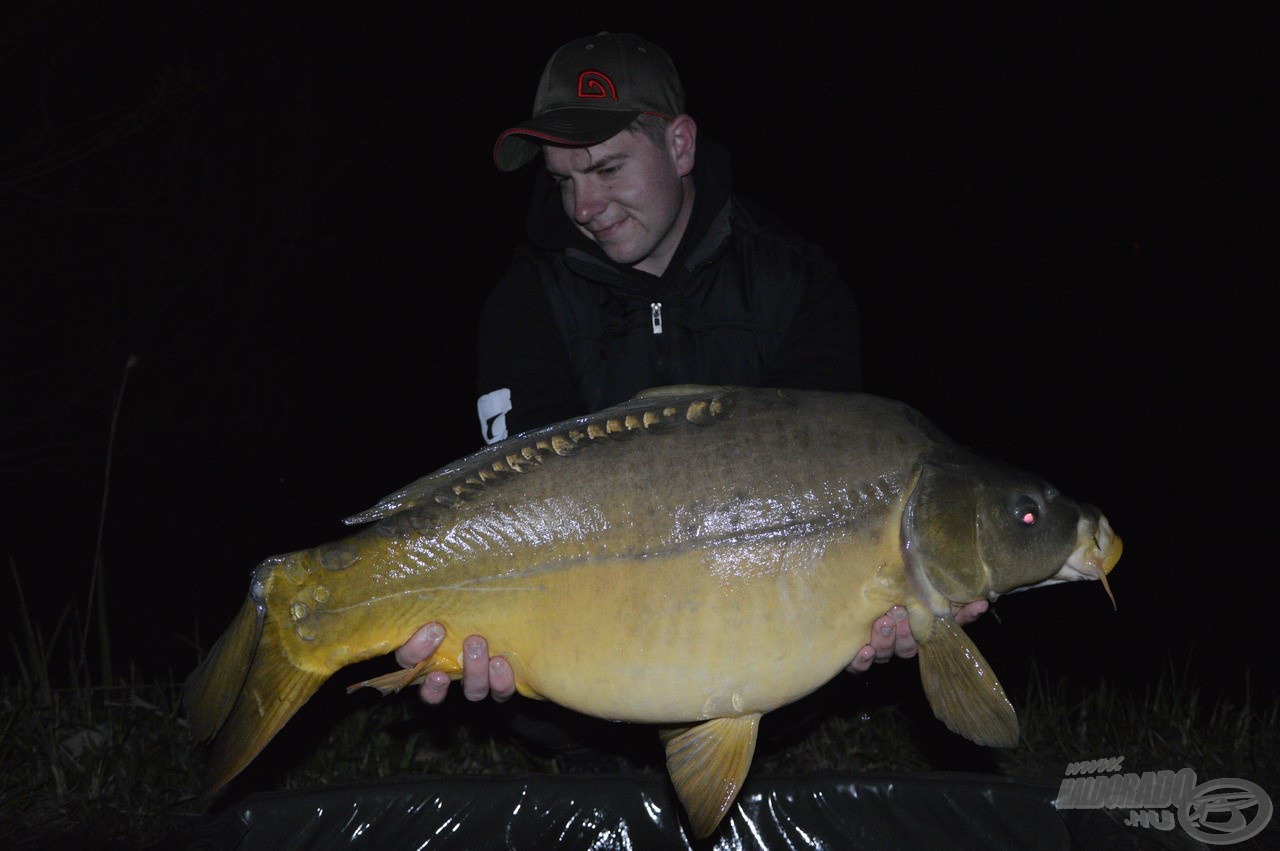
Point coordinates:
[(643, 269)]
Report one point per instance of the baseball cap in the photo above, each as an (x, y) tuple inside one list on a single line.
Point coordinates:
[(591, 90)]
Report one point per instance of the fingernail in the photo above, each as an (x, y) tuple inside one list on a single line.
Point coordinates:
[(886, 629), (435, 632), (474, 649), (899, 613)]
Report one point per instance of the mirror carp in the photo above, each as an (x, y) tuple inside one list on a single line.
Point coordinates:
[(766, 528)]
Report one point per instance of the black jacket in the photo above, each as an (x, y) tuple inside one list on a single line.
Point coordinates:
[(743, 301)]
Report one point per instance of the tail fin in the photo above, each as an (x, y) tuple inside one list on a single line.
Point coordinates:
[(243, 693), (211, 690)]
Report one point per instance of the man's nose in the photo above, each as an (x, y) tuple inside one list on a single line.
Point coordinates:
[(588, 202)]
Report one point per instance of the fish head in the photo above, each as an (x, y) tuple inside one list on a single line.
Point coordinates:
[(975, 528)]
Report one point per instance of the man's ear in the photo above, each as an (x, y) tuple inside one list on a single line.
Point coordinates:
[(682, 142)]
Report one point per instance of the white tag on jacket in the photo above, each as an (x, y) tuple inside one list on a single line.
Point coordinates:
[(493, 409), (656, 315)]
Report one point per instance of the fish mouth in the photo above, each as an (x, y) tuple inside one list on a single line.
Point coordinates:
[(1096, 553)]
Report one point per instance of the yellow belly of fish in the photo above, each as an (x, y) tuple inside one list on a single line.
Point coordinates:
[(676, 637)]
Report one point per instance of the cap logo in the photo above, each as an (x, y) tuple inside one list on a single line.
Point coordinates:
[(596, 84)]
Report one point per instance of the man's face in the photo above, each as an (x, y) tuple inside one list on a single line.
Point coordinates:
[(628, 195)]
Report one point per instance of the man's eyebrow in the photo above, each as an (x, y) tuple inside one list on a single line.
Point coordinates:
[(603, 162)]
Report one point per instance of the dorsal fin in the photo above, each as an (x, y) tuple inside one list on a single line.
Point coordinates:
[(651, 411), (678, 391)]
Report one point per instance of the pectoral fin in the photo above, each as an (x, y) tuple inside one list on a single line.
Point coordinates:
[(397, 680), (962, 689), (708, 762)]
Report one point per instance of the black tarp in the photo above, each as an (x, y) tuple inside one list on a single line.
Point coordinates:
[(639, 811)]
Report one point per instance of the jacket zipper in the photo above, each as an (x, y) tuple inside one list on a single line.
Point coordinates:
[(659, 360)]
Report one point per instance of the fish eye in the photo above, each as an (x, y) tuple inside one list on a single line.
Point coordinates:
[(1026, 510)]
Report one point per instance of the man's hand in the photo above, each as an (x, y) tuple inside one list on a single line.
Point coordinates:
[(481, 676), (891, 636)]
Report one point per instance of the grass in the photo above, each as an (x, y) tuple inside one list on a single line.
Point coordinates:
[(114, 762), (108, 762)]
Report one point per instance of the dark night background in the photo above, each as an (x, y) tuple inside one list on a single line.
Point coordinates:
[(1058, 227)]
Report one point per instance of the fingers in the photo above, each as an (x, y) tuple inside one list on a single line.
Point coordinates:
[(887, 640), (891, 636), (435, 688), (863, 660), (970, 612), (482, 676), (502, 680), (904, 643), (475, 668), (420, 645)]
